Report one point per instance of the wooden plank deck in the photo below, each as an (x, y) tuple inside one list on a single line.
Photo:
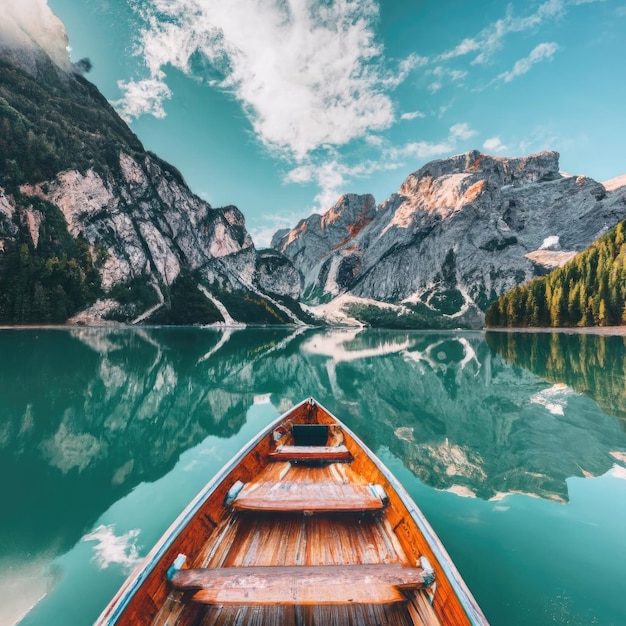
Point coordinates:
[(300, 570), (310, 615), (217, 535)]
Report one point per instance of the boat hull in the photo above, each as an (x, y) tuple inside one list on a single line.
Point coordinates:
[(279, 523)]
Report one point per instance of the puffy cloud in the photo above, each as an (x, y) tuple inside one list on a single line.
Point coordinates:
[(144, 96), (462, 132), (332, 176), (31, 23), (494, 144), (429, 149), (542, 52), (308, 73)]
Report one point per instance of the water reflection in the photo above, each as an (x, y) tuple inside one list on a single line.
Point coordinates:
[(88, 414), (591, 364)]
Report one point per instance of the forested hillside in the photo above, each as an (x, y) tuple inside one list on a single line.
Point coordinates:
[(48, 122), (590, 290), (95, 228)]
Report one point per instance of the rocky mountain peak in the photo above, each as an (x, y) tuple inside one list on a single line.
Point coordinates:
[(318, 236), (459, 232), (350, 213), (93, 226), (475, 166), (345, 219)]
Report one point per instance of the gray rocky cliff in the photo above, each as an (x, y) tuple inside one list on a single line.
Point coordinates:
[(80, 188), (460, 232), (314, 239)]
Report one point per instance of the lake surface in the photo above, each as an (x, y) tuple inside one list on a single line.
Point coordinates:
[(513, 446)]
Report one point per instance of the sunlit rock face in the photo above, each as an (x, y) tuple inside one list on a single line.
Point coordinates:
[(459, 232), (312, 243), (148, 220), (154, 244)]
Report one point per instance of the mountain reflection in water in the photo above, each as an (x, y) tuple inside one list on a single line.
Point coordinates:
[(88, 414)]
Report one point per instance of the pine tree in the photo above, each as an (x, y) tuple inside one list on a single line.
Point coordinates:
[(589, 290)]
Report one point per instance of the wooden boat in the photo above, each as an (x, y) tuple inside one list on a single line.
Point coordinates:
[(305, 526)]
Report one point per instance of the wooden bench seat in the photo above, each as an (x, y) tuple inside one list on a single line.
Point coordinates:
[(321, 584), (328, 454), (312, 497)]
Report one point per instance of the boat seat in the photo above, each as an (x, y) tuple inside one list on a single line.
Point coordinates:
[(310, 443), (311, 453), (308, 497), (298, 584)]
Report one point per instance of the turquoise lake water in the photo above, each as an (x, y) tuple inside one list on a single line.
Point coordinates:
[(513, 446)]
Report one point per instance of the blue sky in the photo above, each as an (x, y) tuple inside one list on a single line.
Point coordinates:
[(280, 106)]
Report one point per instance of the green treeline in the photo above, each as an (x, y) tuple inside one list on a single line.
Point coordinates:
[(590, 290), (50, 123), (50, 282)]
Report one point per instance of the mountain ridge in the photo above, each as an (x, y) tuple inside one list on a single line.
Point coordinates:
[(459, 232), (95, 228)]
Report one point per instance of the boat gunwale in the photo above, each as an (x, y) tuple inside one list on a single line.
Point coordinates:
[(466, 598), (115, 608), (132, 584)]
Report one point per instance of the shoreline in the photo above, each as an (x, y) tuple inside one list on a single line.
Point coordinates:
[(617, 331), (606, 331)]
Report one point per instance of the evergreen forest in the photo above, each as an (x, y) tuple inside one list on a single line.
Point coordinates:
[(590, 290)]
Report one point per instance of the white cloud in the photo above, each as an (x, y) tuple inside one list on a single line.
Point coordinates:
[(332, 176), (457, 75), (374, 140), (542, 52), (262, 235), (141, 97), (425, 149), (461, 131), (405, 67), (27, 22), (308, 73), (428, 150), (621, 11), (494, 144), (412, 115), (490, 39), (112, 549), (442, 74)]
